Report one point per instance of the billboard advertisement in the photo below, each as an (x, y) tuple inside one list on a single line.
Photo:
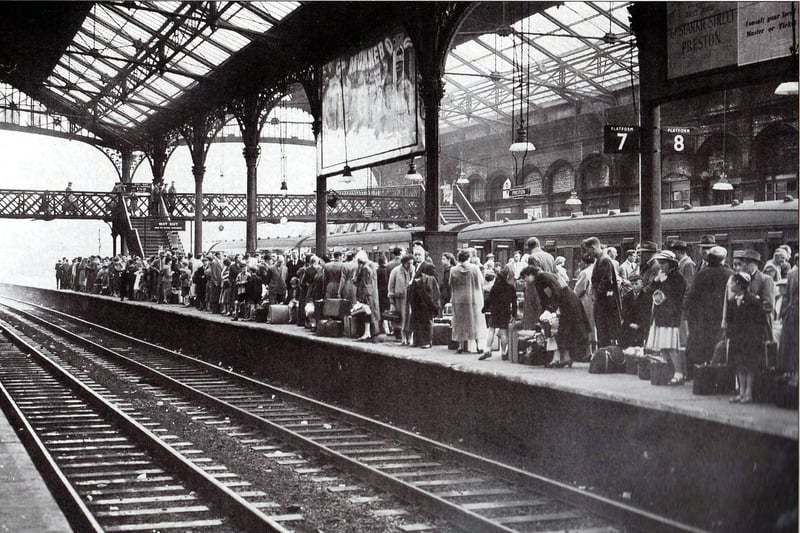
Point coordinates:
[(370, 107)]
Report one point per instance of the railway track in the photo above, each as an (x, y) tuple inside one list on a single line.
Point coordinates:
[(471, 492), (109, 471)]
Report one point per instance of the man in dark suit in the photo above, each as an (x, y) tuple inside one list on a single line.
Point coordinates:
[(607, 303)]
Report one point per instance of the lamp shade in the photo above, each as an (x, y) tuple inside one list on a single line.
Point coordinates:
[(521, 143), (462, 180), (787, 88), (723, 184), (412, 174), (284, 186), (347, 175), (573, 199)]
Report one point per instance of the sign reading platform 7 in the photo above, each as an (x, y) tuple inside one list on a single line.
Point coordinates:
[(621, 139)]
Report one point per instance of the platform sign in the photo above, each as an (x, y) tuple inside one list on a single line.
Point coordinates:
[(621, 139), (677, 140), (142, 188), (368, 212), (519, 192), (168, 225)]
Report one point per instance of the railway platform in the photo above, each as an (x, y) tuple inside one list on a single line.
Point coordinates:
[(26, 504), (699, 459)]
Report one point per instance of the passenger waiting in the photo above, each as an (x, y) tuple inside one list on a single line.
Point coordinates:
[(501, 308), (466, 295), (747, 329), (636, 308), (399, 282), (664, 335)]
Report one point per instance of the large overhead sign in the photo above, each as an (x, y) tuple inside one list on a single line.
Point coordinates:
[(370, 111), (703, 36)]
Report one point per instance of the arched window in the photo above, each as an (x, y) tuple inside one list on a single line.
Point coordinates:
[(594, 173), (562, 176), (775, 161), (477, 188), (676, 171), (535, 182), (499, 184)]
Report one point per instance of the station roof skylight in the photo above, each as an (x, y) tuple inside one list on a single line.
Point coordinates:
[(130, 59), (568, 53)]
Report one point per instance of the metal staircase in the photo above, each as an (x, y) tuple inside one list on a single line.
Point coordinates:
[(153, 239)]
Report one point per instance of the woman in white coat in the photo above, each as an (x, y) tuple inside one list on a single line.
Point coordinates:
[(466, 290)]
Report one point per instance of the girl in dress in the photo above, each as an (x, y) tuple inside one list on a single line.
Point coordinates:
[(667, 290), (747, 329)]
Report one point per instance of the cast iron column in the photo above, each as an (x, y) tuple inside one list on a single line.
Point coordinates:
[(650, 175), (432, 91), (321, 227), (251, 154), (199, 172)]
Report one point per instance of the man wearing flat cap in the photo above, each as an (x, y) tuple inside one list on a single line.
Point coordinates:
[(706, 243), (703, 307)]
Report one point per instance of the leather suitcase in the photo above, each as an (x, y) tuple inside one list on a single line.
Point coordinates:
[(531, 353), (452, 345), (336, 308), (607, 360), (632, 365), (261, 314), (513, 345), (329, 327), (442, 333), (786, 392), (713, 379), (353, 327), (661, 373), (644, 370), (278, 314), (765, 385)]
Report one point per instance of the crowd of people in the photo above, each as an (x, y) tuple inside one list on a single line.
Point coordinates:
[(656, 299)]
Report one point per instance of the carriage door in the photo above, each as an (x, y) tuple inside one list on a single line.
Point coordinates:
[(503, 250)]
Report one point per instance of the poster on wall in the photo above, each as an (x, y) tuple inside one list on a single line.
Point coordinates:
[(370, 108), (765, 31)]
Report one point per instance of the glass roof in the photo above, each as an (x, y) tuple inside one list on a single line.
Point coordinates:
[(567, 53), (129, 59)]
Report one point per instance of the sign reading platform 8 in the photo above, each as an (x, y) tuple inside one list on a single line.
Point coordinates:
[(621, 139), (677, 140)]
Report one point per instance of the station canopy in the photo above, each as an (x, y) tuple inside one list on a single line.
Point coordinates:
[(120, 69)]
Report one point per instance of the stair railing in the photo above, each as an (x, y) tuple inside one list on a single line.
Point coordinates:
[(461, 201), (131, 233)]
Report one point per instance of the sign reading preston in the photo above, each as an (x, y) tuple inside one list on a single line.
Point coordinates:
[(704, 36), (168, 225), (519, 192), (620, 139)]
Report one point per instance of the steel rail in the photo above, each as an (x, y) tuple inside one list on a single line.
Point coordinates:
[(602, 506), (246, 515)]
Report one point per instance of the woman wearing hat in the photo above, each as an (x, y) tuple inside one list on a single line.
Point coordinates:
[(746, 334), (668, 289)]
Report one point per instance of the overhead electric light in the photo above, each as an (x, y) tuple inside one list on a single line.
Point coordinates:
[(787, 88), (284, 186), (412, 174), (521, 145), (573, 199), (723, 184), (333, 199), (462, 180), (284, 221), (347, 175)]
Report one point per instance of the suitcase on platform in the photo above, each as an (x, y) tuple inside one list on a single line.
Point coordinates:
[(261, 314), (330, 327), (607, 360), (353, 327), (452, 345), (713, 379), (644, 369), (442, 333), (661, 372), (513, 345), (632, 365), (765, 386), (786, 392), (336, 308), (278, 314)]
